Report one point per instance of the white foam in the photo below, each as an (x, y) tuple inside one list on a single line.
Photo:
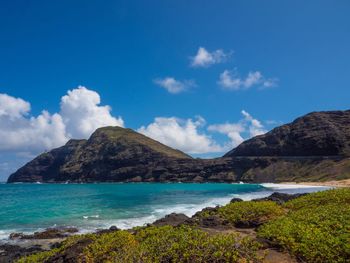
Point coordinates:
[(93, 216)]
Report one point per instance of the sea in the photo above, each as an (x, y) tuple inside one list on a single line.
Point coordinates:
[(34, 207)]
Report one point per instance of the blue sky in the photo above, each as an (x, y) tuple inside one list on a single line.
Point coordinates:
[(131, 53)]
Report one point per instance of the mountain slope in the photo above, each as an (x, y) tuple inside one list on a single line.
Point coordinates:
[(315, 134)]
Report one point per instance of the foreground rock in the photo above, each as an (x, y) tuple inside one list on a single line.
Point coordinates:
[(172, 219), (49, 233), (9, 253), (279, 198)]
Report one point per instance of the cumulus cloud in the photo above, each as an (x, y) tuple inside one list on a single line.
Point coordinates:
[(82, 113), (26, 135), (13, 107), (238, 132), (181, 134), (174, 86), (204, 58), (255, 126), (232, 130), (193, 136), (231, 80)]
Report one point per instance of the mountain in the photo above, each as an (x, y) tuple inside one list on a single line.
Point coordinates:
[(312, 148), (315, 134), (110, 154)]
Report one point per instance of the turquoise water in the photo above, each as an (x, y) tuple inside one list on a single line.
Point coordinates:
[(31, 207)]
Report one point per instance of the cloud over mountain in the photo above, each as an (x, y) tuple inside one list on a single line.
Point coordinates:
[(181, 134), (80, 114)]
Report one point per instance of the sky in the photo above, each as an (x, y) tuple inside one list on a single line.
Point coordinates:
[(200, 76)]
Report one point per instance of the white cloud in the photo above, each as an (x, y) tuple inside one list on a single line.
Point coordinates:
[(31, 134), (204, 58), (181, 134), (232, 130), (238, 132), (189, 136), (255, 126), (28, 135), (82, 114), (13, 107), (174, 86), (231, 80)]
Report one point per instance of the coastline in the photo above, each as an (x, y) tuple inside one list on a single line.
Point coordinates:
[(189, 210), (28, 245)]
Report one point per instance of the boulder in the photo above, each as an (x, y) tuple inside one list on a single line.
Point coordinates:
[(172, 219)]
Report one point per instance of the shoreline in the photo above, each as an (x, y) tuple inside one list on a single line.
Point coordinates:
[(333, 183), (295, 188)]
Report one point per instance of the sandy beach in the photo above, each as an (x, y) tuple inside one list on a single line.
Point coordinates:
[(340, 183)]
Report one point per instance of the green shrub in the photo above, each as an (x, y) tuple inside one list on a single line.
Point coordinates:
[(316, 229), (251, 212), (160, 244), (118, 247), (339, 196), (185, 244)]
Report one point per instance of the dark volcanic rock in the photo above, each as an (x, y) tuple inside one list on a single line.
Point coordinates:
[(280, 198), (71, 254), (208, 218), (315, 134), (11, 253), (172, 219), (46, 234), (109, 230), (234, 200)]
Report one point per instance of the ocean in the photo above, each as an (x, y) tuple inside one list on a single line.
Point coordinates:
[(34, 207)]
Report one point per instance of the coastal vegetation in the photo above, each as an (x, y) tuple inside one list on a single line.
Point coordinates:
[(311, 228), (316, 227)]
